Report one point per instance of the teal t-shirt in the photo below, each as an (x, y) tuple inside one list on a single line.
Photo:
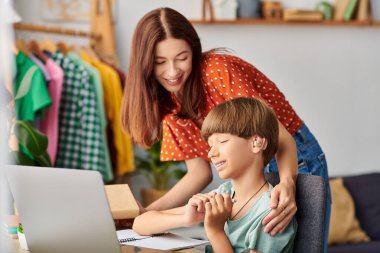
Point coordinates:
[(247, 232)]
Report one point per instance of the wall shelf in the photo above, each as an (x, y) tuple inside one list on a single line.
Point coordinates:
[(287, 23)]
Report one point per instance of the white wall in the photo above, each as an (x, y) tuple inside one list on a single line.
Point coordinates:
[(331, 75)]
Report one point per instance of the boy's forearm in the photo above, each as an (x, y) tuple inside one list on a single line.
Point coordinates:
[(219, 242), (154, 222)]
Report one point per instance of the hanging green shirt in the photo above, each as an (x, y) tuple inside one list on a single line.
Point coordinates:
[(247, 232), (30, 90)]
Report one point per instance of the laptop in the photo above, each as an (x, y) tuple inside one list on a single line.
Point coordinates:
[(63, 210)]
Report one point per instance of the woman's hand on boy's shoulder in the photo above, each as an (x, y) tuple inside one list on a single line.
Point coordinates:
[(283, 206)]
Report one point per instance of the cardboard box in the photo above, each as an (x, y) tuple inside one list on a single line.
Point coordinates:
[(122, 203)]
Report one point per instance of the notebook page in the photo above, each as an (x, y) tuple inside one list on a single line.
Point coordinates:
[(167, 241), (129, 233)]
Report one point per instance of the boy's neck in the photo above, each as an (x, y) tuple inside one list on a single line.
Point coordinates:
[(251, 180)]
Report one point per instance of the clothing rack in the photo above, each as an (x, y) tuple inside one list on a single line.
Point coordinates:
[(56, 30), (101, 35)]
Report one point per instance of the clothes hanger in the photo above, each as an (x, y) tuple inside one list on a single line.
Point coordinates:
[(35, 48), (21, 46), (48, 45), (62, 46), (72, 48), (90, 52)]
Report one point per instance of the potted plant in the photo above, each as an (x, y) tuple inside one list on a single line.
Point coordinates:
[(28, 144), (158, 173)]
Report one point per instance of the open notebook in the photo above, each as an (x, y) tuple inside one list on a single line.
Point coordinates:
[(164, 241)]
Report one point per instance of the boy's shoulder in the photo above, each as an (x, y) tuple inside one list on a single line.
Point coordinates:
[(226, 187)]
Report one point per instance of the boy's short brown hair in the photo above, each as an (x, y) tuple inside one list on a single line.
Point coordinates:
[(244, 117)]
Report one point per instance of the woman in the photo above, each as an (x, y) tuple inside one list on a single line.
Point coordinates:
[(171, 86)]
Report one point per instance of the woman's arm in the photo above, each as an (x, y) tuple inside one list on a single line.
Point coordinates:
[(286, 156), (198, 176), (153, 222), (283, 194)]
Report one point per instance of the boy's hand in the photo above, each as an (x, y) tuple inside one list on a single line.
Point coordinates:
[(195, 208), (217, 212), (199, 200)]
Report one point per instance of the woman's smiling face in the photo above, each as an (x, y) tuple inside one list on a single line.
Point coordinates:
[(173, 64)]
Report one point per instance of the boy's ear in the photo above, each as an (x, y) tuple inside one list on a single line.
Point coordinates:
[(258, 144)]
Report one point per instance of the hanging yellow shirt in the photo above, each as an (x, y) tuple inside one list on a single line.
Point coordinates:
[(113, 95)]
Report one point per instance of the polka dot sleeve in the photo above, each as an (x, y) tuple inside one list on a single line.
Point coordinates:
[(181, 140)]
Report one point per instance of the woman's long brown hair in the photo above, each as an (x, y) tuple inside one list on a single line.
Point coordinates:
[(145, 101)]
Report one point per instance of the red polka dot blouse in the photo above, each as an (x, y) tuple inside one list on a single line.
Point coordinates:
[(225, 77)]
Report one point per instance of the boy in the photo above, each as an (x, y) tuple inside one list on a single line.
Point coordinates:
[(243, 137)]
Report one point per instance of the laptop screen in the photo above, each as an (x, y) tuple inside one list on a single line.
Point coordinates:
[(63, 210)]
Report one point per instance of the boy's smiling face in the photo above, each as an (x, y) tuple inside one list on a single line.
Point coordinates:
[(230, 154)]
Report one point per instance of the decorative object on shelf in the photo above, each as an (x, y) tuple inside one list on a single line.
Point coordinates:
[(302, 15), (349, 13), (271, 9), (158, 173), (225, 9), (363, 10), (375, 10), (54, 10), (249, 9), (207, 10), (340, 8), (326, 9)]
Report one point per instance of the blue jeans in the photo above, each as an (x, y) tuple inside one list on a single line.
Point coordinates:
[(311, 160)]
